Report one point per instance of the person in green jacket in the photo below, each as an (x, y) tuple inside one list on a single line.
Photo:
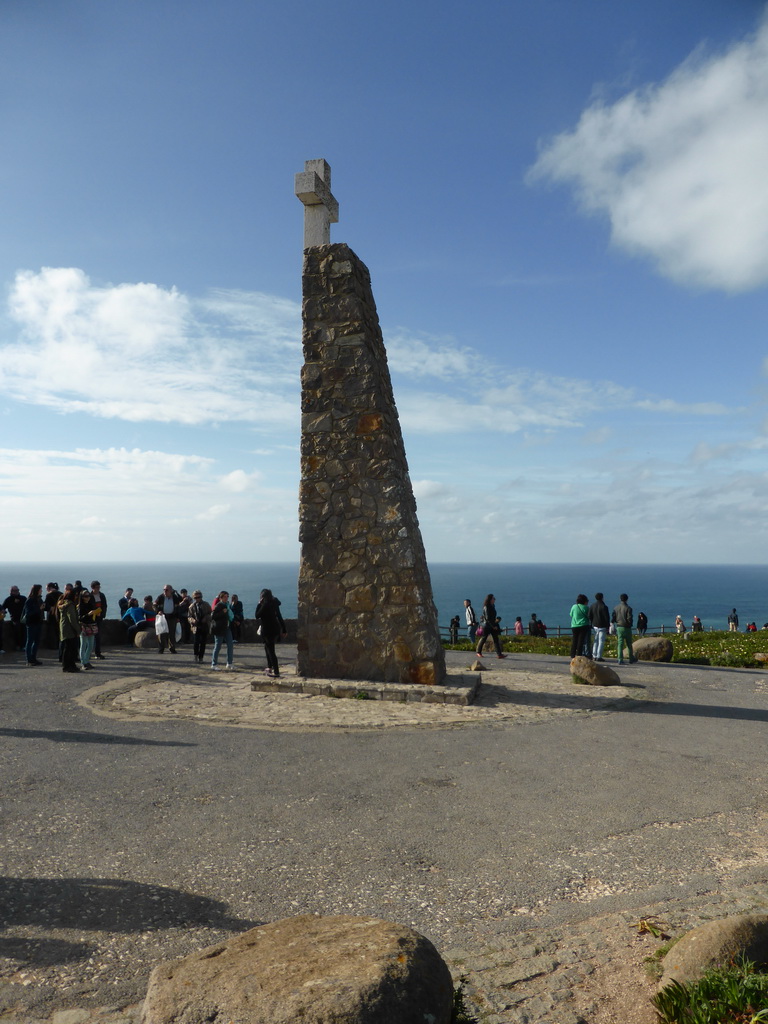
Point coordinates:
[(581, 627)]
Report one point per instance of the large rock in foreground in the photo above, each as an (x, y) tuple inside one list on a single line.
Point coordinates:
[(349, 970), (714, 944), (592, 673), (653, 648)]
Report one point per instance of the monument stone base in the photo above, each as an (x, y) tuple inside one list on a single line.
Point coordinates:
[(456, 688)]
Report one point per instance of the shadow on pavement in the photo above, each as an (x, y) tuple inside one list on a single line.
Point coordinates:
[(65, 736), (698, 710), (43, 952), (493, 695), (97, 904)]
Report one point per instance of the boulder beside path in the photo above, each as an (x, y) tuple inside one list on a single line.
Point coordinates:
[(351, 970), (593, 673), (653, 648), (714, 944)]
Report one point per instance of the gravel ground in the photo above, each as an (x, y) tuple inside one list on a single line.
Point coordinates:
[(524, 846)]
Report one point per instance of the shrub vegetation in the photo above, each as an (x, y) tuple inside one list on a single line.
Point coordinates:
[(733, 994), (729, 650)]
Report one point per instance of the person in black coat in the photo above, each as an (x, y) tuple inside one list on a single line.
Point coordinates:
[(271, 628), (33, 620), (600, 619), (13, 606)]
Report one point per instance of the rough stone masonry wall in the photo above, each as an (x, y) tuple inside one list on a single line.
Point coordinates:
[(365, 597)]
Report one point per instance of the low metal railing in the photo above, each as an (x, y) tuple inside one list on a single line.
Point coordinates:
[(445, 631)]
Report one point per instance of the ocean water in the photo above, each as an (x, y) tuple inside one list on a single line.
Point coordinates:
[(661, 591)]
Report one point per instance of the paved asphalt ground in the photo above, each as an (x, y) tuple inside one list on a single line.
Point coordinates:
[(126, 842)]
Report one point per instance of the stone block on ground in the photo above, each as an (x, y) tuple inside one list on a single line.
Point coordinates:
[(653, 648), (349, 970), (592, 673), (716, 943)]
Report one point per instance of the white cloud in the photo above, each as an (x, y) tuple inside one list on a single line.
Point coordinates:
[(514, 402), (142, 504), (213, 513), (238, 480), (680, 168), (533, 402), (570, 510), (598, 436), (428, 356), (131, 500), (705, 451), (669, 405), (423, 489), (138, 352)]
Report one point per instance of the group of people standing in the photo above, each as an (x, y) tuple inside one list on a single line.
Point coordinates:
[(76, 611), (591, 623), (176, 615), (75, 614)]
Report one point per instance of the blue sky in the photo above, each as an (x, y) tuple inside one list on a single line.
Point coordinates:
[(564, 208)]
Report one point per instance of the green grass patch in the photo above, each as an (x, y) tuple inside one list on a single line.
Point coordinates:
[(724, 649), (734, 994), (729, 650), (521, 644), (653, 963)]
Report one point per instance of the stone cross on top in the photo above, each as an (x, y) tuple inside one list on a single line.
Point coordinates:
[(313, 187)]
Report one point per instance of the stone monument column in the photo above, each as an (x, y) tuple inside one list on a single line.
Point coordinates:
[(365, 597)]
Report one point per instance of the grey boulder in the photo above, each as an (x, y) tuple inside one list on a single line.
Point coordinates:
[(653, 648), (145, 638), (715, 943), (593, 673), (345, 970)]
